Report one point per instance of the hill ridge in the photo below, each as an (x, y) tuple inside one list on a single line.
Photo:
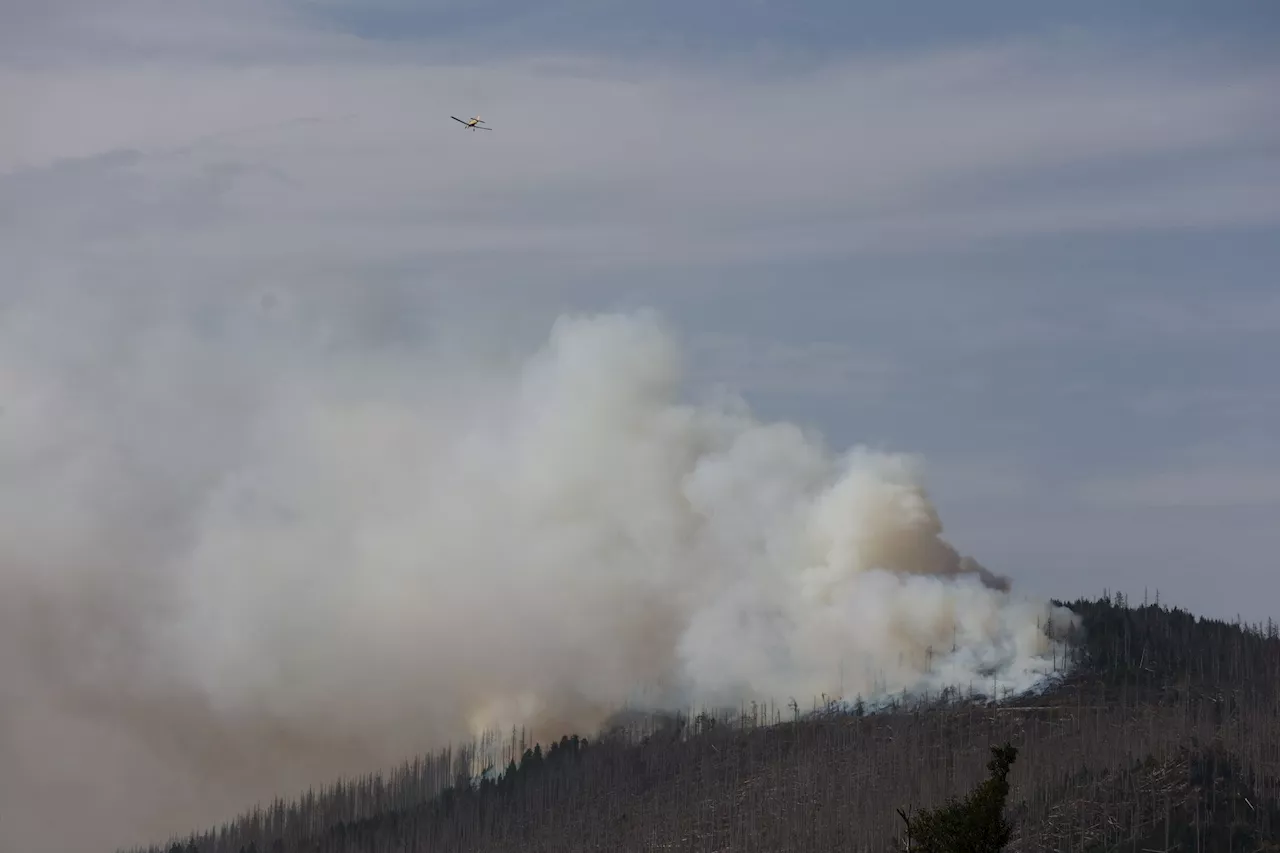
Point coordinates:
[(1159, 723)]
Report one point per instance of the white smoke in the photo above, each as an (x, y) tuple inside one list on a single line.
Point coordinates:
[(226, 577)]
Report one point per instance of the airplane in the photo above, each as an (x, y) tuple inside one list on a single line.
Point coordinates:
[(474, 122)]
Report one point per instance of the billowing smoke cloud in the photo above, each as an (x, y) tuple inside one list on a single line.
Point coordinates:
[(241, 554)]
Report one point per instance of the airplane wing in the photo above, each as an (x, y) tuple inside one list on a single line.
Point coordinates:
[(481, 127), (455, 118)]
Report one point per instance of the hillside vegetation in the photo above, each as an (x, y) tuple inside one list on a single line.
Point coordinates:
[(1163, 734)]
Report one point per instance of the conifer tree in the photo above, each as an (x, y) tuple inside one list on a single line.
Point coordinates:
[(975, 824)]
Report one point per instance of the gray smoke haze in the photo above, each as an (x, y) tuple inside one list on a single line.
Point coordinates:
[(242, 553)]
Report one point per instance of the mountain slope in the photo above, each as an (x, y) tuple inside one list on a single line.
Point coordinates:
[(1166, 727)]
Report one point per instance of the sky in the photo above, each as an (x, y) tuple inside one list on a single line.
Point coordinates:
[(1035, 245)]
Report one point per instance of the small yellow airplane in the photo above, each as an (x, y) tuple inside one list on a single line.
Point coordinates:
[(474, 122)]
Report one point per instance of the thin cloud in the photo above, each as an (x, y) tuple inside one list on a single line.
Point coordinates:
[(662, 168), (815, 369), (1205, 315), (1199, 486), (1239, 471), (82, 34)]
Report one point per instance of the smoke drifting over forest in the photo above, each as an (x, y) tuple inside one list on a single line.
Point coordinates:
[(237, 559)]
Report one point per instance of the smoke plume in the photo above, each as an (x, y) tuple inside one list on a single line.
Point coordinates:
[(240, 554)]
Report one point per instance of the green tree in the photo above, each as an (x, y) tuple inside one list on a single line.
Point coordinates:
[(975, 824)]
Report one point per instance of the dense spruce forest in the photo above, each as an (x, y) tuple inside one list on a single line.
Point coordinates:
[(1163, 734)]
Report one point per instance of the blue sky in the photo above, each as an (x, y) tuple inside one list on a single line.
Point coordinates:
[(1034, 243)]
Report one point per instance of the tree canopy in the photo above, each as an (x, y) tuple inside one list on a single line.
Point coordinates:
[(975, 824)]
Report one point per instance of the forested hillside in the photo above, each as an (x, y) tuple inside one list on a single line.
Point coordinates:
[(1163, 734)]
